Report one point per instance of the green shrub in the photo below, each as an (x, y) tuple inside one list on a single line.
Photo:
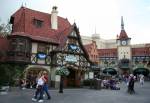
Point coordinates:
[(86, 82), (9, 73)]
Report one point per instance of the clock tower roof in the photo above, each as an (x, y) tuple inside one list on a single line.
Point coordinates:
[(123, 34)]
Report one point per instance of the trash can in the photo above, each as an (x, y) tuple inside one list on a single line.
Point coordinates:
[(97, 84), (91, 83)]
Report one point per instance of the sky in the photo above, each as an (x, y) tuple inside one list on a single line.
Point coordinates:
[(93, 16)]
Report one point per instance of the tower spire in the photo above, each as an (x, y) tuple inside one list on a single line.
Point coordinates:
[(122, 23)]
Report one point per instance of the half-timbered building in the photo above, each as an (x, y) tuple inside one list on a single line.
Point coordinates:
[(47, 42)]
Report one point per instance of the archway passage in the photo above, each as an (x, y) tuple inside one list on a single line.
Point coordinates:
[(110, 71), (143, 71), (31, 75), (73, 79)]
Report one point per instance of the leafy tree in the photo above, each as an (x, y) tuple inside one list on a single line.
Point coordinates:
[(5, 29), (9, 73)]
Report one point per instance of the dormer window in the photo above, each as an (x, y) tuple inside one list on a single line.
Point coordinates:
[(37, 23)]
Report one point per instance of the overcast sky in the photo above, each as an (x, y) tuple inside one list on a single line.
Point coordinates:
[(102, 16)]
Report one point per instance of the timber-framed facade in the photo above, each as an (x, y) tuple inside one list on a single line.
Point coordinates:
[(46, 42)]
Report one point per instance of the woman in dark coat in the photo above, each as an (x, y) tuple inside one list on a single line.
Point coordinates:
[(131, 85)]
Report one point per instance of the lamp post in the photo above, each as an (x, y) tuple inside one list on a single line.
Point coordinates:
[(62, 72), (61, 84), (61, 76)]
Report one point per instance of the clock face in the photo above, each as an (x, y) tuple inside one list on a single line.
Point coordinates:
[(124, 42)]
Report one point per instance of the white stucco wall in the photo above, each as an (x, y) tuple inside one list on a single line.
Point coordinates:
[(34, 47), (124, 52)]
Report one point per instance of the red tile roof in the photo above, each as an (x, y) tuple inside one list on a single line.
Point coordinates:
[(140, 51), (123, 35), (23, 22), (92, 51), (88, 47), (107, 52), (37, 38)]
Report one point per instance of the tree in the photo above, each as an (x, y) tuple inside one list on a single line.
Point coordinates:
[(9, 73), (5, 29)]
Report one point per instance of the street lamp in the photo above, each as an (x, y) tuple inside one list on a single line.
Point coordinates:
[(59, 72), (63, 71), (61, 84)]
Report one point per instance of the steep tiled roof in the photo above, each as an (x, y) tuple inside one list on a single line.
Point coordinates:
[(88, 47), (92, 51), (37, 38), (22, 21), (123, 35)]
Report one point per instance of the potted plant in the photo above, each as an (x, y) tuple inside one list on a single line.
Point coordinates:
[(63, 71)]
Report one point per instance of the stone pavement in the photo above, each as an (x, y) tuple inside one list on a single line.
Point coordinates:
[(142, 95)]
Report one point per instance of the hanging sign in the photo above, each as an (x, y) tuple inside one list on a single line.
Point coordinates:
[(41, 55), (70, 58)]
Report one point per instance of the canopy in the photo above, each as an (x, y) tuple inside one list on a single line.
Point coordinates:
[(143, 71), (110, 71)]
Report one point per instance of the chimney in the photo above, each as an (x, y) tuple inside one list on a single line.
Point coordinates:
[(54, 22)]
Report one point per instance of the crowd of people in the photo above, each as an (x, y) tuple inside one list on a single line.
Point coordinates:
[(113, 83), (41, 84), (110, 83)]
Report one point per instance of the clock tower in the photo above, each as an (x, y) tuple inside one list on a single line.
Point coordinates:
[(123, 44)]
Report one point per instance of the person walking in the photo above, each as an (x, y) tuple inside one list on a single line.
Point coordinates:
[(39, 88), (141, 79), (131, 84), (45, 86)]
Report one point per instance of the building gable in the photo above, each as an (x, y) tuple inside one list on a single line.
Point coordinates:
[(73, 51)]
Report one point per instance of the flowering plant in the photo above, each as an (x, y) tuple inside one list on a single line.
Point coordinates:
[(62, 71)]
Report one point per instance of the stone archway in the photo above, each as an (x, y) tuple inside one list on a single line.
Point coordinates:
[(31, 74)]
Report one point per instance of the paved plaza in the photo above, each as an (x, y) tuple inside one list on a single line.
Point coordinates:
[(84, 95)]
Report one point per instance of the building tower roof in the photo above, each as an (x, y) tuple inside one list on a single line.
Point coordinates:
[(123, 34)]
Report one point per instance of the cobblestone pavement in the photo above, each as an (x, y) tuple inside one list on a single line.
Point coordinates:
[(83, 95)]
